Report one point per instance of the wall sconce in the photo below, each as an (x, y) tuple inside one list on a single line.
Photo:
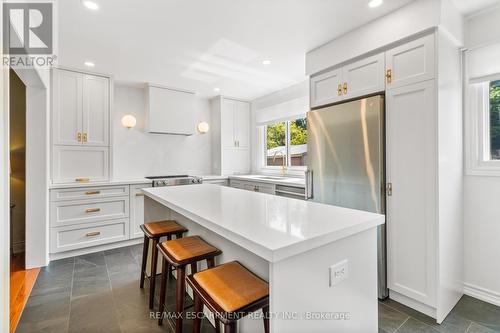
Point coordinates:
[(129, 121), (203, 127)]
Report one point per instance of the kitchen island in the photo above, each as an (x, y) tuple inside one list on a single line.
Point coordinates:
[(320, 260)]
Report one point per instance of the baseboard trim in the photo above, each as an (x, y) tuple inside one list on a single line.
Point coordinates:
[(482, 294), (416, 305), (93, 249)]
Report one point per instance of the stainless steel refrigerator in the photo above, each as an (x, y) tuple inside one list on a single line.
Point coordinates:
[(345, 162)]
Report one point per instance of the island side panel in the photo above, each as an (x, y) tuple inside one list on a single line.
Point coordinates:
[(300, 285), (230, 252)]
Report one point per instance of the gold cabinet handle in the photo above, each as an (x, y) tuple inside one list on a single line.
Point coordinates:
[(92, 192), (92, 210), (389, 189), (79, 137), (84, 137), (82, 180), (339, 90), (92, 234), (388, 76), (345, 88), (139, 194)]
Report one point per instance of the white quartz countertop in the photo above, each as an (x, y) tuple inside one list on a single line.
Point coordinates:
[(287, 181), (271, 227), (106, 183)]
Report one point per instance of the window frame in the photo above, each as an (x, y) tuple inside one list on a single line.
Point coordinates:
[(477, 131), (273, 168)]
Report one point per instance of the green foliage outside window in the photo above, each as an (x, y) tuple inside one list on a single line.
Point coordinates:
[(298, 129), (495, 119), (276, 135)]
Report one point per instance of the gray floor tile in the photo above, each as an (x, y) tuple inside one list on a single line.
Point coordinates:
[(476, 328), (453, 324), (415, 326), (389, 319), (46, 313), (89, 261), (480, 312), (90, 281), (94, 313)]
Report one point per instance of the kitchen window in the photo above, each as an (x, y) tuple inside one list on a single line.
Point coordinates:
[(285, 144), (483, 128)]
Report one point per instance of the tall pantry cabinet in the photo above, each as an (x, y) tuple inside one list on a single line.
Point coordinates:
[(230, 136), (80, 123)]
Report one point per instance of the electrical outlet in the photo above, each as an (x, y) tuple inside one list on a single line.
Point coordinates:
[(339, 272)]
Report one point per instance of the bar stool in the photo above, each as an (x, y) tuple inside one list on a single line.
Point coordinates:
[(179, 253), (231, 292), (154, 231)]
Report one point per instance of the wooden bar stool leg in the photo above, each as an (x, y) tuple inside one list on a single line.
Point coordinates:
[(211, 262), (217, 325), (194, 268), (198, 308), (230, 328), (163, 291), (265, 311), (180, 291), (152, 278), (144, 259)]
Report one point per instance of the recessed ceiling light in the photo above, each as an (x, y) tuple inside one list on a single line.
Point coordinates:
[(266, 62), (89, 64), (216, 89), (375, 3), (90, 4)]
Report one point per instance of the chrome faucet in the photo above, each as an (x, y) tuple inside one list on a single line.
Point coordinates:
[(283, 166)]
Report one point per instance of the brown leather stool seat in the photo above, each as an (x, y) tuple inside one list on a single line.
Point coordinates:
[(179, 253), (154, 231), (231, 291)]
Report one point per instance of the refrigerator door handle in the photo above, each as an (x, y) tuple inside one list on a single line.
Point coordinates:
[(309, 186)]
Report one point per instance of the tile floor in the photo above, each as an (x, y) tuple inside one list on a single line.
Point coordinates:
[(99, 293)]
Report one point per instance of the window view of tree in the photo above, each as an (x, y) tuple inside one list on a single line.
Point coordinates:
[(279, 143), (276, 143), (495, 120), (298, 142)]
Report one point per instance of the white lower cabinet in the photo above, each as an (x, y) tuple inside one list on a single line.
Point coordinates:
[(137, 210), (253, 186), (82, 217)]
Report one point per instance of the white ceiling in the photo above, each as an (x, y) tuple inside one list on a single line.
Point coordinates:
[(201, 44), (471, 6)]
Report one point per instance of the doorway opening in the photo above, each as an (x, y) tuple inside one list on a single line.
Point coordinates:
[(21, 280)]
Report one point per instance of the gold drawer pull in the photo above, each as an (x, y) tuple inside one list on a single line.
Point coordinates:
[(92, 210), (92, 234), (84, 137), (345, 88), (82, 180), (92, 192), (339, 90), (139, 194)]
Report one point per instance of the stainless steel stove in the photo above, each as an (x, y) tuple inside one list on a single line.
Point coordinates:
[(174, 180)]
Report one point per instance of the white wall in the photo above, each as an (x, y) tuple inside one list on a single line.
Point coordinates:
[(137, 153), (482, 193)]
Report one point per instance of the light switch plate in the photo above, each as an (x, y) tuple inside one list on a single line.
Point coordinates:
[(339, 272)]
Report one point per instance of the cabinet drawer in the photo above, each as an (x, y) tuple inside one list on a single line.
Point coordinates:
[(81, 236), (89, 193), (84, 211)]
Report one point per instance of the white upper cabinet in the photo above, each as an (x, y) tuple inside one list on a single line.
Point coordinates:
[(326, 88), (242, 124), (411, 62), (356, 79), (363, 77), (227, 123), (95, 110), (170, 111), (67, 108), (81, 109), (80, 127)]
